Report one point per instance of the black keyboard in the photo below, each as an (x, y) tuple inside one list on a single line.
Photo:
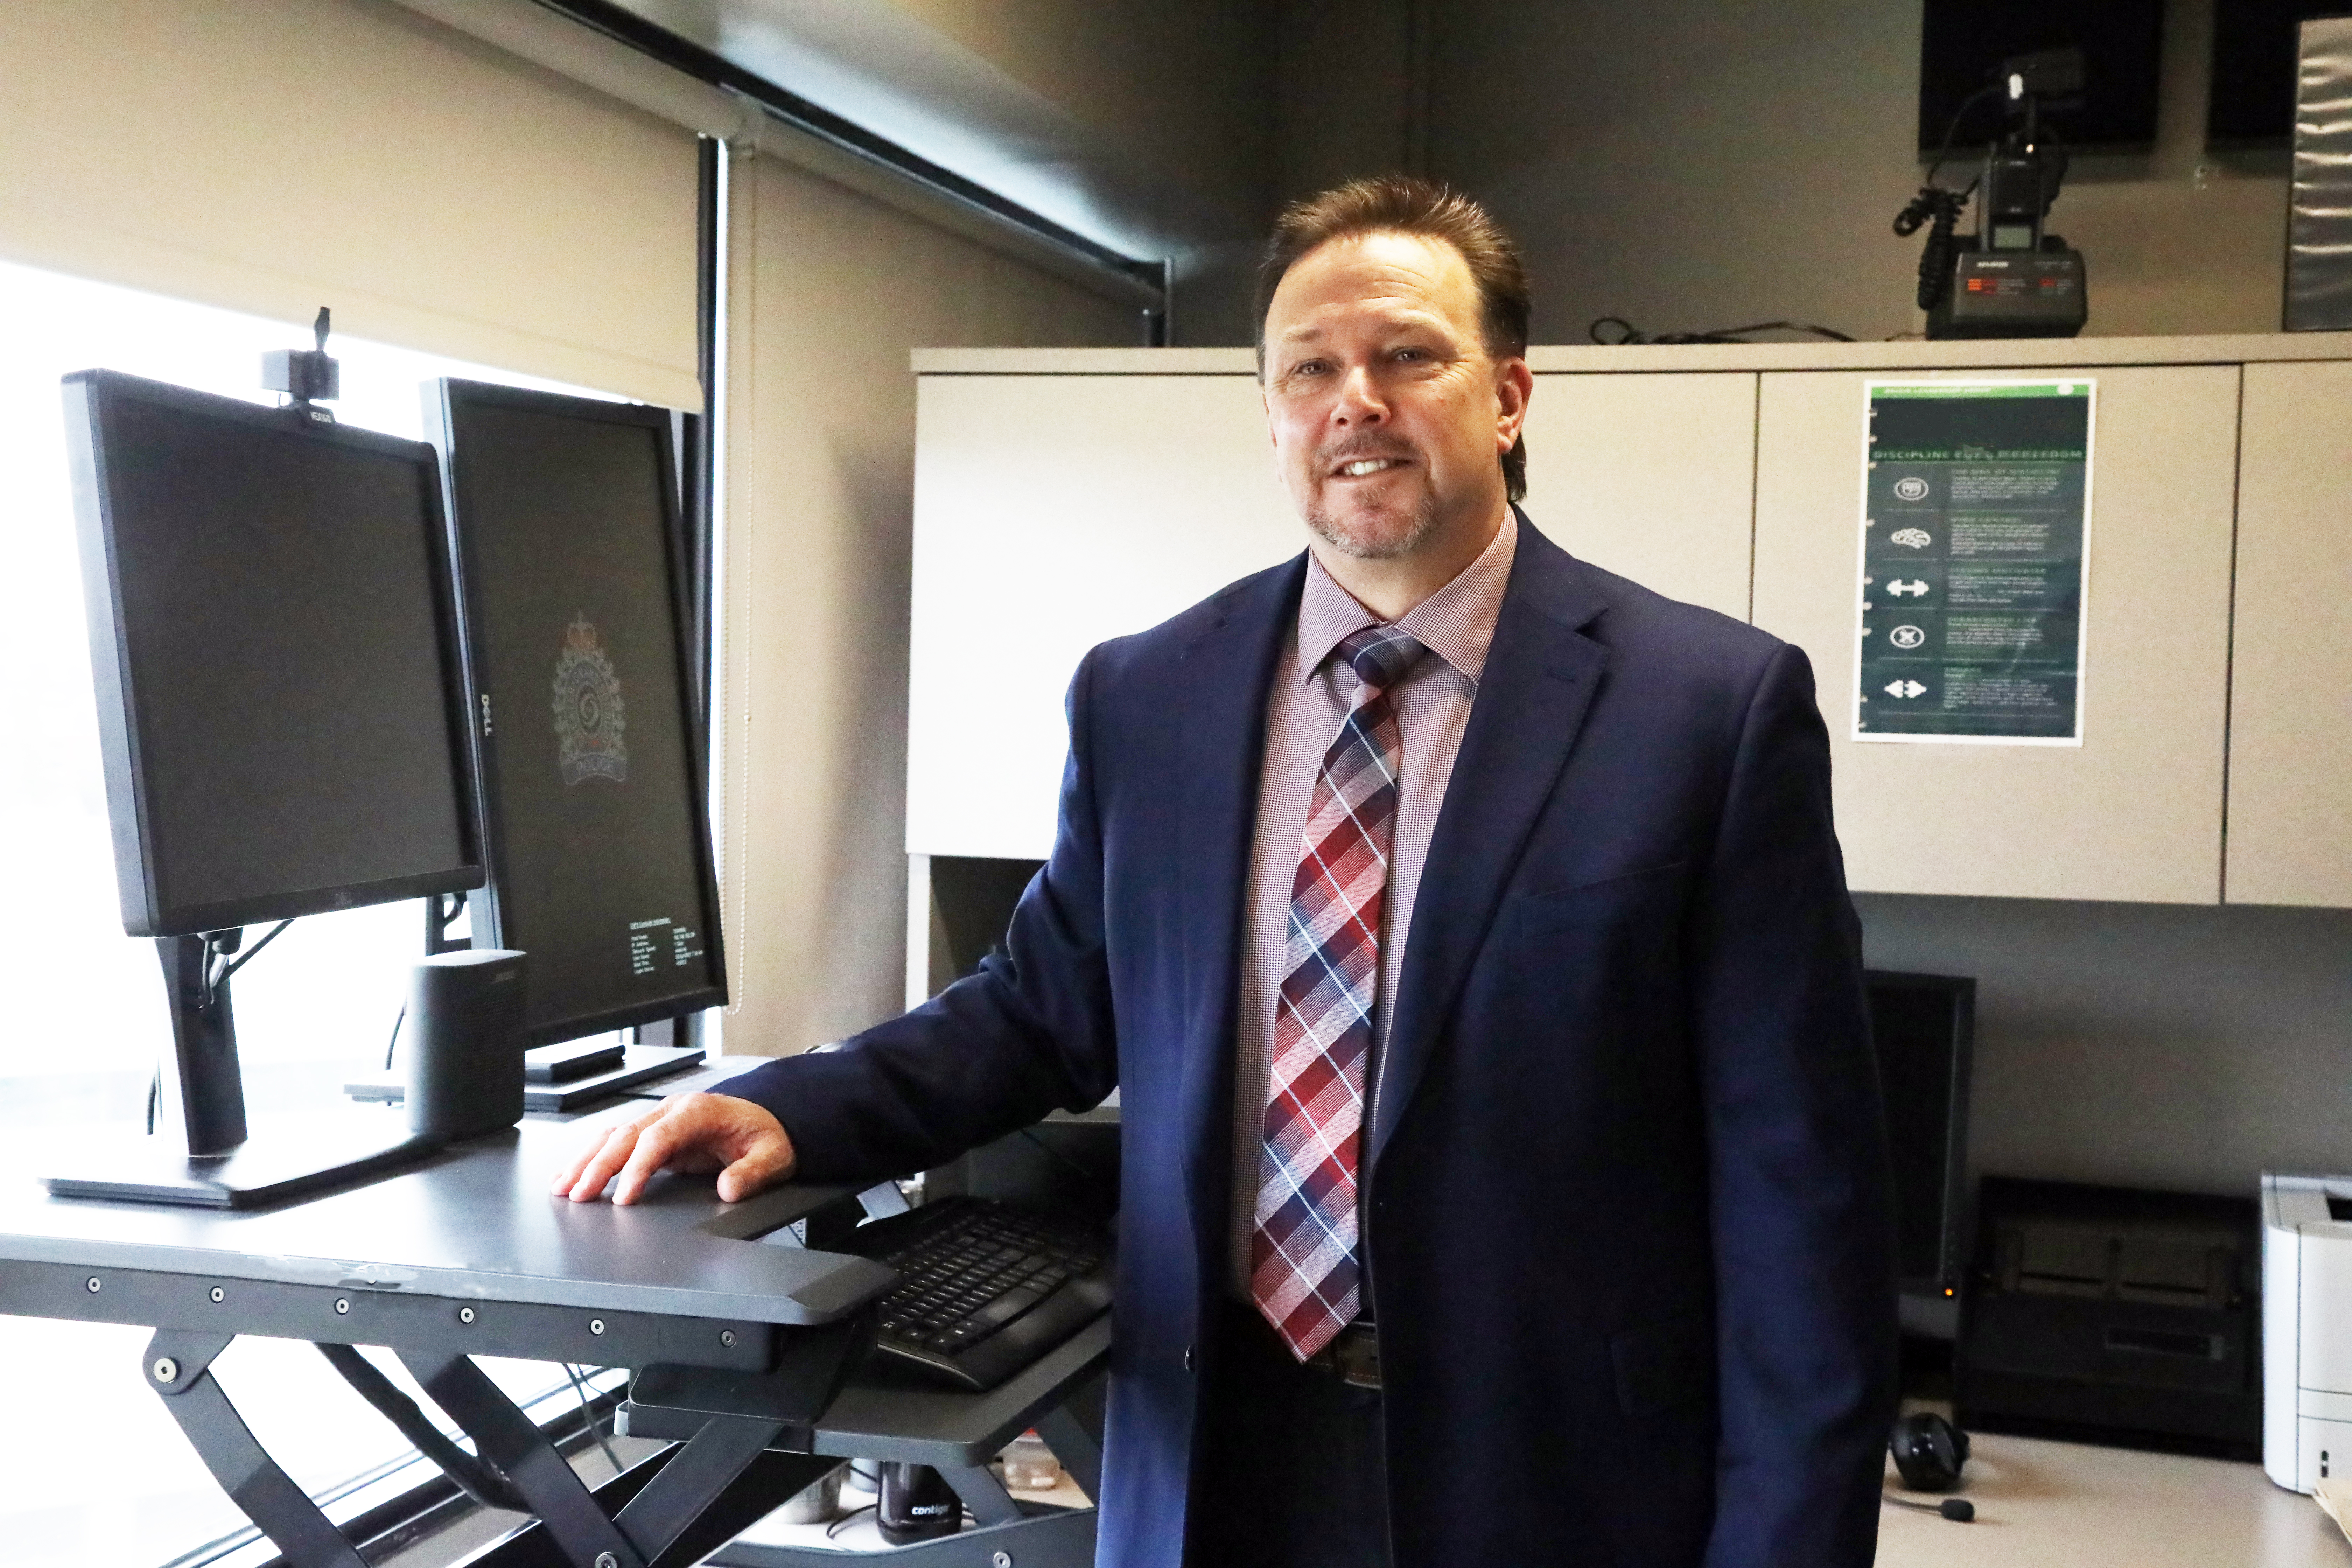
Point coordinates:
[(985, 1289)]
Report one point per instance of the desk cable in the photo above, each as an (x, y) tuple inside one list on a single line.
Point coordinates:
[(852, 1517), (587, 1414), (476, 1477)]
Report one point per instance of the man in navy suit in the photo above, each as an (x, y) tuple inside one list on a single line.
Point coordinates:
[(1465, 932)]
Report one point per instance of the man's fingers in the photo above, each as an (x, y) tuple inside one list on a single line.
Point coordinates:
[(655, 1146), (688, 1132), (589, 1176), (766, 1162), (571, 1172)]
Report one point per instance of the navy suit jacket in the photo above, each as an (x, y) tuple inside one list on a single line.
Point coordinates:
[(1626, 1200)]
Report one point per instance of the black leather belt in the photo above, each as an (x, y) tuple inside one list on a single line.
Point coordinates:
[(1353, 1356)]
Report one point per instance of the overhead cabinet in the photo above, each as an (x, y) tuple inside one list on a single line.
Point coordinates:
[(1063, 497), (1054, 510), (2291, 708), (1650, 476)]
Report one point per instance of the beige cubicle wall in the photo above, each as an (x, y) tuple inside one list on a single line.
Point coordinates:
[(1051, 513), (2290, 710), (1651, 476), (1066, 496)]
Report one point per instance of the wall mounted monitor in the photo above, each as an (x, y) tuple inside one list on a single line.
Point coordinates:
[(2251, 100), (564, 514), (1924, 1026), (273, 642), (1963, 43)]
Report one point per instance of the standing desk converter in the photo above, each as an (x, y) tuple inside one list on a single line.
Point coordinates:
[(737, 1347)]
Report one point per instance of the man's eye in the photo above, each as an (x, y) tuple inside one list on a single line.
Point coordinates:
[(1308, 367)]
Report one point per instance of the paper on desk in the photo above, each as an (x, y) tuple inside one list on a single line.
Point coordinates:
[(2336, 1496)]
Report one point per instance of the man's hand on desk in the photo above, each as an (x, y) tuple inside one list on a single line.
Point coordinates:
[(747, 1146)]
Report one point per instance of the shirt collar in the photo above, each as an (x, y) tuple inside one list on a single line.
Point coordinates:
[(1456, 623)]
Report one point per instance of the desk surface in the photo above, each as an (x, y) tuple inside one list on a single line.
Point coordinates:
[(2071, 1505), (474, 1223)]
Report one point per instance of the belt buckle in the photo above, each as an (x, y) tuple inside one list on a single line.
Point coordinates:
[(1354, 1354)]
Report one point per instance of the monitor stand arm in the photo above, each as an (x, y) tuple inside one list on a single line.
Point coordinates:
[(222, 1165), (203, 1038), (441, 912)]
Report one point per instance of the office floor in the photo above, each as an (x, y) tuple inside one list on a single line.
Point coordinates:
[(2044, 1505)]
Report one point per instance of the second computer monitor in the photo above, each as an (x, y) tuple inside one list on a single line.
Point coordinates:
[(564, 511)]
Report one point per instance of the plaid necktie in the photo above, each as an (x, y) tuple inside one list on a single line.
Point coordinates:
[(1304, 1271)]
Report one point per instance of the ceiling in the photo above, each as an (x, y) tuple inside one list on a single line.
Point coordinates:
[(1133, 123)]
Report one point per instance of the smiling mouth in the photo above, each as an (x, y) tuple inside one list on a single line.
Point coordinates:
[(1363, 467)]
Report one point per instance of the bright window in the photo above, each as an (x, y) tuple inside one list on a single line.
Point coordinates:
[(97, 1473)]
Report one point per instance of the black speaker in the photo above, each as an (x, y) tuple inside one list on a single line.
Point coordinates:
[(465, 1035)]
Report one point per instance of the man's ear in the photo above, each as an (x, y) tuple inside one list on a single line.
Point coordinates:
[(1515, 383)]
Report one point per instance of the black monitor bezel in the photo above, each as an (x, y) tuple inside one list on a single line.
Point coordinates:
[(2237, 117), (1952, 1251), (89, 396), (444, 401), (2115, 113)]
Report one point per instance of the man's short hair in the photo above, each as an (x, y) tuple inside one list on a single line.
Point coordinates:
[(1402, 204)]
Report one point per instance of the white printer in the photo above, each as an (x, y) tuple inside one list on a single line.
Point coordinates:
[(2306, 1329)]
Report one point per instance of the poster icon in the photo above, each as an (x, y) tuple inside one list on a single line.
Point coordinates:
[(1910, 538), (1906, 637), (1911, 486), (1906, 690), (1915, 588)]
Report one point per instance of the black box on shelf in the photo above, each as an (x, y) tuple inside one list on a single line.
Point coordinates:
[(2114, 1315)]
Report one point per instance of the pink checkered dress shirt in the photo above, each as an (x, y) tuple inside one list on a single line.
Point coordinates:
[(1309, 695)]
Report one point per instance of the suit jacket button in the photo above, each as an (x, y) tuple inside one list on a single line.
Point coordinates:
[(1188, 1358)]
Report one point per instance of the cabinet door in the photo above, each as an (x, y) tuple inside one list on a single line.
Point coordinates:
[(1051, 513), (2290, 718), (2133, 813), (1650, 476)]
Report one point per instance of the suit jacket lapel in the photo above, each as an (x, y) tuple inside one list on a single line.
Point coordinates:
[(1539, 683), (1219, 712)]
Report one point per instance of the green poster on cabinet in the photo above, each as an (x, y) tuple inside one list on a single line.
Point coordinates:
[(1976, 515)]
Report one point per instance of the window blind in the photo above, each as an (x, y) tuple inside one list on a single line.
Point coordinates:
[(274, 155)]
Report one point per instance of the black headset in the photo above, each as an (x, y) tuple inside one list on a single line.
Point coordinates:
[(1929, 1453)]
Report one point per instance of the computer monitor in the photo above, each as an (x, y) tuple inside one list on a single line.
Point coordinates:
[(1924, 1026), (2249, 101), (1963, 43), (273, 639), (564, 513)]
